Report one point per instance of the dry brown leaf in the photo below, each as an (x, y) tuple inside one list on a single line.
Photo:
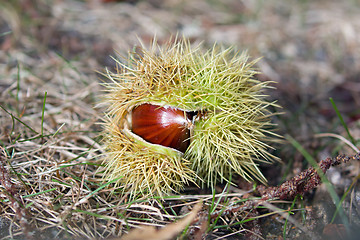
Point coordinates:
[(168, 232)]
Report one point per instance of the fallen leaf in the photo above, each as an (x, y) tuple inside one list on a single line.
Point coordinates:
[(168, 232)]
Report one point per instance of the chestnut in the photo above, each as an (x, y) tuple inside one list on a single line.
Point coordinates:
[(166, 126), (179, 114)]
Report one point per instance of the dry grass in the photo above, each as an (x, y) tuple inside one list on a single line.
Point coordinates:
[(49, 136)]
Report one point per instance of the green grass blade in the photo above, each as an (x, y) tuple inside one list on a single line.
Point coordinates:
[(5, 33), (18, 84), (343, 198), (286, 220), (323, 178), (42, 115), (39, 193), (92, 214), (101, 187), (17, 119), (342, 121)]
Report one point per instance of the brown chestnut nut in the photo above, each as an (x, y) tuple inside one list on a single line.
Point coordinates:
[(166, 126)]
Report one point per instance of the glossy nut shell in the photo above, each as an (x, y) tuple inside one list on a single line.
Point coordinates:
[(166, 126)]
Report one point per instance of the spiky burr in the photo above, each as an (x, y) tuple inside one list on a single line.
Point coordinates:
[(178, 114)]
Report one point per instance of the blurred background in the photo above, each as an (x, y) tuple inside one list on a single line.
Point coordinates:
[(310, 49)]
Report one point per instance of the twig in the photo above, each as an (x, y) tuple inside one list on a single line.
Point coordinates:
[(304, 182)]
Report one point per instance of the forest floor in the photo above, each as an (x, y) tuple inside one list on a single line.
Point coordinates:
[(51, 53)]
